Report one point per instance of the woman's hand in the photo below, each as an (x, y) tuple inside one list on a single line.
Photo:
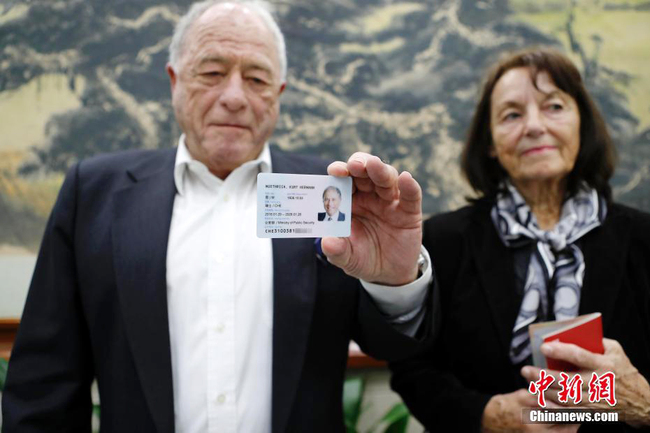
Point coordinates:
[(631, 388)]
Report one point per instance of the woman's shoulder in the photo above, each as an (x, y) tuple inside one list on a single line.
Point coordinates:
[(630, 223), (637, 220)]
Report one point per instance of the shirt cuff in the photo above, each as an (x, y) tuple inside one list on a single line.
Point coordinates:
[(402, 302)]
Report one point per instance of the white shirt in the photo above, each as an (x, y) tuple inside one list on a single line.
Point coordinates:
[(220, 300)]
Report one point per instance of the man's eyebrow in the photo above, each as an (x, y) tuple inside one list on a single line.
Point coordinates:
[(250, 65), (258, 66), (213, 59)]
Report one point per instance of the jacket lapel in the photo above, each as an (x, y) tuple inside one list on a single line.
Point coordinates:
[(496, 271), (141, 220), (294, 294), (605, 250)]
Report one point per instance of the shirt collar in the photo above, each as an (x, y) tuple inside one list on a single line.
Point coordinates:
[(334, 217), (185, 162)]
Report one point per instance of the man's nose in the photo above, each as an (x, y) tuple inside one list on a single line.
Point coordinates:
[(233, 96), (534, 122)]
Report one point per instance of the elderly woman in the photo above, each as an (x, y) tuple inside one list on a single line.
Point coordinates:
[(543, 242)]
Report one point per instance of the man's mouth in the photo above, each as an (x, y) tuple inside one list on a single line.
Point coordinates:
[(231, 125)]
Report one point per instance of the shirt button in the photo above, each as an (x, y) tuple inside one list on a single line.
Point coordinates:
[(221, 399), (219, 258), (226, 197), (220, 328)]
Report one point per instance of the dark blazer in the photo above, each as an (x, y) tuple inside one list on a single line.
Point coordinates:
[(448, 387), (97, 307), (321, 216)]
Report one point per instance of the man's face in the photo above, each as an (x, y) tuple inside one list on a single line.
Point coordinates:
[(331, 202), (226, 89)]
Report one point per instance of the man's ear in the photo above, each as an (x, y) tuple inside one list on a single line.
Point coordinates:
[(172, 75), (282, 87)]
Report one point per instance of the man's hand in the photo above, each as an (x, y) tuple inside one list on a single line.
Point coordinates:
[(386, 235), (503, 414), (631, 388)]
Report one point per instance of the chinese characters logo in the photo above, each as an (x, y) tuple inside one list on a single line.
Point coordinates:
[(600, 388)]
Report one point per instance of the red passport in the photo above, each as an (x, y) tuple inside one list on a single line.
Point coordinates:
[(585, 331)]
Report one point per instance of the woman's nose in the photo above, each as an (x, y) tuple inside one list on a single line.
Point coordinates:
[(534, 123)]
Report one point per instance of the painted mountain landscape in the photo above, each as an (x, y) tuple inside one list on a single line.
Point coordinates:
[(395, 78)]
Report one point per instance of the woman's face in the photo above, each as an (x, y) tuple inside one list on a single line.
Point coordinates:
[(535, 131)]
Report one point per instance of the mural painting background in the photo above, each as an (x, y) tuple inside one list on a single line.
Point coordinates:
[(395, 78)]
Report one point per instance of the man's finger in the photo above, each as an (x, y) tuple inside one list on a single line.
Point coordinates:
[(383, 175), (338, 169), (574, 354), (363, 184), (388, 194), (384, 178), (337, 250), (357, 164), (410, 193)]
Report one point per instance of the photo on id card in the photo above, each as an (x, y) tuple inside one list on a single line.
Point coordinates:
[(303, 205)]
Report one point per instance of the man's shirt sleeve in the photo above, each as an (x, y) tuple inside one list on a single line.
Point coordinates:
[(404, 305)]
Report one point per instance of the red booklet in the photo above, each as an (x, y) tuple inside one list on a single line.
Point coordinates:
[(585, 331)]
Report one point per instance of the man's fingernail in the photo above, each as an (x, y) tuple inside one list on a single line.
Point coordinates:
[(361, 160)]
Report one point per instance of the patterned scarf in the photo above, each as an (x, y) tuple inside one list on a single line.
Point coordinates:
[(556, 264)]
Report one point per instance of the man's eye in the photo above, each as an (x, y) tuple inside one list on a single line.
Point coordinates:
[(210, 74), (555, 107), (257, 80)]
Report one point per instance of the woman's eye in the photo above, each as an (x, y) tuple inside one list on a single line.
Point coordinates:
[(555, 107), (511, 116)]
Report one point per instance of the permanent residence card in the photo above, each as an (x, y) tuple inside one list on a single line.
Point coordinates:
[(303, 205)]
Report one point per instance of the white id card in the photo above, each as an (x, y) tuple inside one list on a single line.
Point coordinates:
[(303, 205)]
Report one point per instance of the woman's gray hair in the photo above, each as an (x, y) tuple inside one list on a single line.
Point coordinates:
[(262, 8)]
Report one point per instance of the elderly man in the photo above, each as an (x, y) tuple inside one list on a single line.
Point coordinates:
[(150, 277), (331, 203)]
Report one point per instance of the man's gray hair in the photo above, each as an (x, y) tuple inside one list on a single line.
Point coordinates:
[(332, 188), (262, 8)]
